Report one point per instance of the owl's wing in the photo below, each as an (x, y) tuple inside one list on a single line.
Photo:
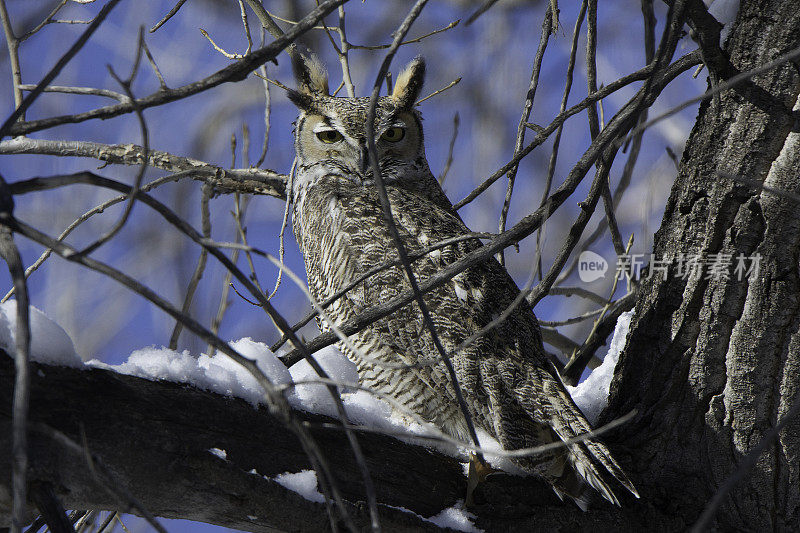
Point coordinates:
[(506, 378)]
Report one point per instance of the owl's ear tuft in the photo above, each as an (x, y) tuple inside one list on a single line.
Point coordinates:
[(303, 101), (310, 74), (409, 83)]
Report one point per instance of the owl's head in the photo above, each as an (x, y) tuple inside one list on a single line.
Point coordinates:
[(332, 131)]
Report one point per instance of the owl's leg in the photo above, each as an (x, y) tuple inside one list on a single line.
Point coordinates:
[(478, 470)]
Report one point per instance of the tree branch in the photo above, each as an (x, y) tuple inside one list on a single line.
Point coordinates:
[(151, 435)]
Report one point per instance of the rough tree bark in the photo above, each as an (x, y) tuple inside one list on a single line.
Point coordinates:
[(712, 364)]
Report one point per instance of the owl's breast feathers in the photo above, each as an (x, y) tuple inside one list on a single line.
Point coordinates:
[(343, 236)]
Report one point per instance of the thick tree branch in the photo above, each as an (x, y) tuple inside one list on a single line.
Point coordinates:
[(156, 437), (243, 180)]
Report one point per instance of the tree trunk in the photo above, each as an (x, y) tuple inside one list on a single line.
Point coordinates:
[(711, 365)]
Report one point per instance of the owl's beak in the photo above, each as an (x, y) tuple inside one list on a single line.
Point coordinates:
[(363, 161)]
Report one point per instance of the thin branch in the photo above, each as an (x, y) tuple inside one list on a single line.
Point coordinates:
[(574, 320), (229, 55), (153, 64), (168, 16), (205, 216), (8, 126), (410, 41), (724, 86), (684, 63), (449, 160), (483, 8), (551, 166), (584, 355), (547, 28), (19, 450), (91, 91), (281, 232), (443, 89), (234, 72), (47, 20), (267, 111), (578, 291), (13, 55), (245, 180), (83, 218), (137, 183)]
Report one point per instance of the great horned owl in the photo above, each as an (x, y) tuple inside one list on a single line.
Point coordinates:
[(512, 390)]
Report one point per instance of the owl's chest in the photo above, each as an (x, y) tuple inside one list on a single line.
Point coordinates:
[(339, 236)]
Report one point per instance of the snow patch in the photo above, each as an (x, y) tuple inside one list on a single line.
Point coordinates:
[(303, 483), (461, 292), (591, 395), (456, 517), (315, 397), (222, 454), (219, 374), (50, 344)]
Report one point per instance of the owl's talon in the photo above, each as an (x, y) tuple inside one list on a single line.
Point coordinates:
[(478, 471)]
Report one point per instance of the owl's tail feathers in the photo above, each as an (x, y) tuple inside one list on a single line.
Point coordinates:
[(584, 458)]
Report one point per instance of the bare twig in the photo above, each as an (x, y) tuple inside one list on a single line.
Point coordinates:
[(153, 64), (47, 20), (126, 85), (13, 55), (684, 63), (234, 72), (573, 320), (83, 218), (8, 126), (245, 180), (205, 216), (410, 41), (724, 86), (547, 28), (284, 223), (449, 160), (480, 11), (168, 16), (551, 166), (92, 91), (443, 89)]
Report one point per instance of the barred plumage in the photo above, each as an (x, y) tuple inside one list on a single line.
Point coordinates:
[(512, 390)]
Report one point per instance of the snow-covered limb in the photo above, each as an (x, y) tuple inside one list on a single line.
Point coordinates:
[(156, 436)]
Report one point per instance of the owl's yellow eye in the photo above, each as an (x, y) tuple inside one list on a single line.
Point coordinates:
[(394, 134), (329, 136)]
